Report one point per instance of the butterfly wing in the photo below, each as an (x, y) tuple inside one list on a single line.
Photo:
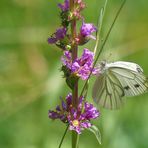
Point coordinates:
[(119, 79), (133, 82), (125, 65), (108, 92)]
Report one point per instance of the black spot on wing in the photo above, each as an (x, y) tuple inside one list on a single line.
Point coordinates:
[(127, 87), (137, 85)]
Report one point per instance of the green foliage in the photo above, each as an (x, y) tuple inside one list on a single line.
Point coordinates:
[(96, 132), (31, 82)]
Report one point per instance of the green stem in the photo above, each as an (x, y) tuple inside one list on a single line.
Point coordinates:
[(63, 137), (75, 139)]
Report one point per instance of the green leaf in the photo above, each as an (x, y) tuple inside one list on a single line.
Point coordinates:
[(100, 19), (94, 129), (99, 25), (71, 81), (102, 13)]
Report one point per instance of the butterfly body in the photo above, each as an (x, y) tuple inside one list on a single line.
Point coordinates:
[(116, 80)]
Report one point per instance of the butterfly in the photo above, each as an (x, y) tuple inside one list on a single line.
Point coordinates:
[(116, 80)]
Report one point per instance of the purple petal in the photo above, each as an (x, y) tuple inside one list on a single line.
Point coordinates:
[(52, 40), (67, 59), (86, 124), (77, 129), (65, 6), (60, 33), (69, 99), (64, 106), (87, 29), (53, 115), (58, 108)]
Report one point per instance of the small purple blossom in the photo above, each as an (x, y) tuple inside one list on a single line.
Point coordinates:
[(58, 35), (67, 59), (87, 29), (85, 34), (77, 118), (62, 110), (90, 111), (65, 6), (78, 124), (81, 67)]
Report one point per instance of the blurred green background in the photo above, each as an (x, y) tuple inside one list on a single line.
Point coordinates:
[(31, 83)]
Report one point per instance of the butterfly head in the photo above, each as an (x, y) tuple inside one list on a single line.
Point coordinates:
[(103, 63), (102, 66)]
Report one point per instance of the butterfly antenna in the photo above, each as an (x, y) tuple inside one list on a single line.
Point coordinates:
[(103, 44)]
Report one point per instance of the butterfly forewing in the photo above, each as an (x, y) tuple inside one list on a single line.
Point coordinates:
[(125, 65), (118, 79), (133, 83)]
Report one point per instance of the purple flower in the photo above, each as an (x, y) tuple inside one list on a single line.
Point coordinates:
[(81, 67), (90, 112), (85, 34), (77, 124), (67, 59), (65, 6), (58, 35), (80, 118), (62, 110), (77, 118), (87, 29)]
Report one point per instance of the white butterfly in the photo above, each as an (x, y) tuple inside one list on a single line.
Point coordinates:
[(116, 80)]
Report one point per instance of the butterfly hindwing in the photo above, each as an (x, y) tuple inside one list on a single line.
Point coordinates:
[(110, 92)]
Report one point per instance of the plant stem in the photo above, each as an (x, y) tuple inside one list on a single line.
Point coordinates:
[(63, 136), (74, 53), (74, 48), (75, 139)]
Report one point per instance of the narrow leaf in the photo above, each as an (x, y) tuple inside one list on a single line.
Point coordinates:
[(99, 25), (102, 13), (96, 132)]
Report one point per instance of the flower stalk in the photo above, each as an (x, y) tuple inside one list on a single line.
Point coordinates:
[(74, 110), (75, 139), (74, 47)]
